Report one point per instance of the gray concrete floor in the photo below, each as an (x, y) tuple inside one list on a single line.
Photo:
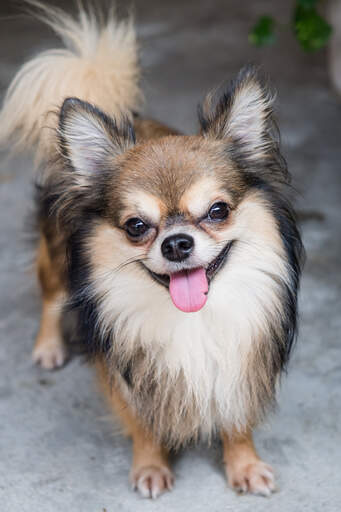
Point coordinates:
[(58, 449)]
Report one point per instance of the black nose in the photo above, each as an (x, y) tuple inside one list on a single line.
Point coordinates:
[(177, 247)]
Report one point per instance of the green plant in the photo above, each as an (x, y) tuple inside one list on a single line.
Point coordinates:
[(310, 29)]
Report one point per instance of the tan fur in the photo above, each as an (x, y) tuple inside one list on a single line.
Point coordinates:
[(174, 164), (150, 472), (201, 195), (49, 276), (246, 472), (146, 129), (144, 205), (49, 349), (98, 64)]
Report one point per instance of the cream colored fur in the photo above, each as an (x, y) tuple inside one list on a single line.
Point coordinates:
[(212, 351), (99, 64)]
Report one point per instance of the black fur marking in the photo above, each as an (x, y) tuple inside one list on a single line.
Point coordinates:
[(81, 296), (80, 321), (127, 374), (80, 318), (84, 305), (291, 239), (286, 220)]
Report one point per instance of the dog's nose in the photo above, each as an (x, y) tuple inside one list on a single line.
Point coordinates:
[(177, 247)]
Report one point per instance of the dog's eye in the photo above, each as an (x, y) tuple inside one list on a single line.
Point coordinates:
[(218, 211), (136, 227)]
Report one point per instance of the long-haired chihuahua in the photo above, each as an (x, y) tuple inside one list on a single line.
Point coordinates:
[(177, 257)]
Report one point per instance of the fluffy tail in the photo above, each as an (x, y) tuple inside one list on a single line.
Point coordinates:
[(99, 64)]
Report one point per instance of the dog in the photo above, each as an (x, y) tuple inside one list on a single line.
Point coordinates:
[(178, 257)]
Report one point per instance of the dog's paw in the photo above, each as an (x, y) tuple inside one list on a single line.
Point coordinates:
[(255, 478), (49, 354), (152, 481)]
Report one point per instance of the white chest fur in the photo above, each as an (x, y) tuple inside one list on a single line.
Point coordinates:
[(207, 361)]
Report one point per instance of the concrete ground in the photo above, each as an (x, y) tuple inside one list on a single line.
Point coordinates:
[(58, 449)]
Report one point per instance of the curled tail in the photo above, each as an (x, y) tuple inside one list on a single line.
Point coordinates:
[(99, 64)]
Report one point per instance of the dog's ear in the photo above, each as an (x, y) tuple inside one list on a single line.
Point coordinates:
[(241, 115), (90, 140)]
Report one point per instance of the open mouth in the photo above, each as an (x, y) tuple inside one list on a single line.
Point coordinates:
[(189, 287)]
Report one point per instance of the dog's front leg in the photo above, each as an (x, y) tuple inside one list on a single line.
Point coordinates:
[(246, 472), (150, 473)]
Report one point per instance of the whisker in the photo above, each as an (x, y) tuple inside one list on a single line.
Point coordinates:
[(124, 264), (112, 273), (130, 262)]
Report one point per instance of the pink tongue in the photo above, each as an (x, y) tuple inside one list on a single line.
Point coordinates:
[(188, 289)]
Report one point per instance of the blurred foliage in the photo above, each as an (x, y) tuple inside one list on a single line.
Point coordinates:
[(263, 33), (311, 30)]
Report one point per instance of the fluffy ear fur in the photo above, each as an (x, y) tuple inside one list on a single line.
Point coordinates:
[(90, 140), (242, 115), (75, 182)]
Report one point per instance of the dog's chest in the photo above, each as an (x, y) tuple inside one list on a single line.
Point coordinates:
[(192, 373), (187, 380)]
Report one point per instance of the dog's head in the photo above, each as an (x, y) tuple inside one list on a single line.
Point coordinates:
[(177, 206)]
